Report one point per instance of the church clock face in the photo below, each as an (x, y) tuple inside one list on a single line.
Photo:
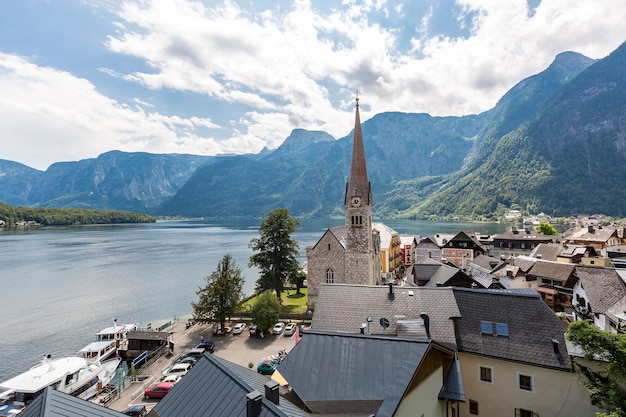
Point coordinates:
[(356, 202)]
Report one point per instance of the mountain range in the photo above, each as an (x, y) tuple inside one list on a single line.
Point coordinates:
[(554, 143)]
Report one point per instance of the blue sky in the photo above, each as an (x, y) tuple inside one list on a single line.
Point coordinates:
[(79, 78)]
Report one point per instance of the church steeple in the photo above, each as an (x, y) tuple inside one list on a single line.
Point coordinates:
[(358, 183)]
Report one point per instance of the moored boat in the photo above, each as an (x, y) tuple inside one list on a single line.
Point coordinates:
[(108, 341), (73, 375)]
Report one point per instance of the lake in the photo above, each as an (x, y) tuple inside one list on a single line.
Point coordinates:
[(60, 285)]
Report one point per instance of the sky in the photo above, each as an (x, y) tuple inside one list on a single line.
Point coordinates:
[(82, 77)]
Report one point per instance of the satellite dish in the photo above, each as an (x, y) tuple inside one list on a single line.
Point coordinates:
[(384, 322)]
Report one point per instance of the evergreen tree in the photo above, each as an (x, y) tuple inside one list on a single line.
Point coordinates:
[(222, 294), (275, 251)]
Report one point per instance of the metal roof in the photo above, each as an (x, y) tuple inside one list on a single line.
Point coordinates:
[(212, 389), (53, 403), (352, 373)]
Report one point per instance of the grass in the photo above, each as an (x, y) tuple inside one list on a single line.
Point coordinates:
[(292, 302)]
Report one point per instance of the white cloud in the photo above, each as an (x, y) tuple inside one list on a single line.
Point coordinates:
[(49, 115), (265, 72)]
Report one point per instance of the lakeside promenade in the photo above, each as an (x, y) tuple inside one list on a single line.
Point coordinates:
[(240, 349)]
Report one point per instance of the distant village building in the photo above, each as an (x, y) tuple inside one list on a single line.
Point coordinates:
[(349, 254)]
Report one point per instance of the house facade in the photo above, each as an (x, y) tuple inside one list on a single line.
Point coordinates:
[(511, 363), (462, 248), (517, 242), (390, 252)]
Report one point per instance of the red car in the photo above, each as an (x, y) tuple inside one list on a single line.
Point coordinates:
[(158, 390)]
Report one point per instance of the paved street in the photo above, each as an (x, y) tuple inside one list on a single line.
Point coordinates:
[(240, 349)]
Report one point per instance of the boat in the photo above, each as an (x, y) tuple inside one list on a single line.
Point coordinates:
[(108, 341), (72, 375)]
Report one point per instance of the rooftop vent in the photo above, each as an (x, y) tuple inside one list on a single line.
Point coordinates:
[(391, 295), (555, 346)]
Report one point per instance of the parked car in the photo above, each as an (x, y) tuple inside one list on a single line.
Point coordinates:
[(195, 353), (171, 378), (137, 410), (188, 359), (177, 369), (254, 330), (159, 390), (278, 328), (219, 331), (290, 329), (239, 328), (207, 346), (267, 367)]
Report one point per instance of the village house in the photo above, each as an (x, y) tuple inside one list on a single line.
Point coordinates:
[(428, 247), (517, 242), (511, 363), (390, 252), (599, 237), (408, 246), (554, 281), (599, 296), (462, 248)]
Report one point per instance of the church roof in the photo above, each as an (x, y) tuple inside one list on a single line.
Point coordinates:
[(358, 168)]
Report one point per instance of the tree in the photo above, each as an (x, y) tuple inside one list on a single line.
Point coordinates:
[(606, 387), (266, 310), (297, 279), (547, 229), (222, 294), (276, 251)]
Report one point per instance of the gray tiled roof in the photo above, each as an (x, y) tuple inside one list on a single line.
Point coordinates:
[(531, 326), (355, 374), (488, 262), (344, 308), (53, 403), (432, 272), (552, 270), (603, 287), (211, 389)]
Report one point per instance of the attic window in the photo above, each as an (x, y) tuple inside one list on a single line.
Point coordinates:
[(486, 327), (495, 329), (502, 329)]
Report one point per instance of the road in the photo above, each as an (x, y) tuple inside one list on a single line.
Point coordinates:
[(240, 349)]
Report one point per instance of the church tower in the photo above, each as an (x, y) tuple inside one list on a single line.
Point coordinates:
[(361, 262)]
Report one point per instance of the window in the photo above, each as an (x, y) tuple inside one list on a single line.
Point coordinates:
[(330, 277), (473, 407), (485, 374), (520, 412), (502, 329), (486, 327), (525, 382)]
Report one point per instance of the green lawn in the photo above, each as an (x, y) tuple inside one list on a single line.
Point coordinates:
[(293, 303)]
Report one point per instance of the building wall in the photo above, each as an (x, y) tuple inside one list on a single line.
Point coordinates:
[(328, 253), (423, 400), (555, 393)]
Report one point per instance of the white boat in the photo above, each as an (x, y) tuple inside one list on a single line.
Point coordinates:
[(73, 375), (107, 342)]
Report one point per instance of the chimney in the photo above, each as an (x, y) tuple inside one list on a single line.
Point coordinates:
[(426, 319), (590, 228), (254, 404), (271, 391), (509, 273), (391, 296), (539, 256)]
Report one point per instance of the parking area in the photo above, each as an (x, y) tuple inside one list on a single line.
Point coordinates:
[(241, 349)]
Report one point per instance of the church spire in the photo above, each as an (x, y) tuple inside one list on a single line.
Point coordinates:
[(358, 169)]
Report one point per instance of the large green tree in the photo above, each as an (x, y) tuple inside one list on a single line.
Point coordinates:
[(606, 387), (275, 251), (265, 310), (547, 229), (221, 296)]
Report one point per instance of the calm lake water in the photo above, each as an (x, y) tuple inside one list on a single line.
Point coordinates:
[(60, 285)]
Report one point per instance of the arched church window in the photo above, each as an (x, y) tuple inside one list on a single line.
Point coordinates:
[(330, 277)]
